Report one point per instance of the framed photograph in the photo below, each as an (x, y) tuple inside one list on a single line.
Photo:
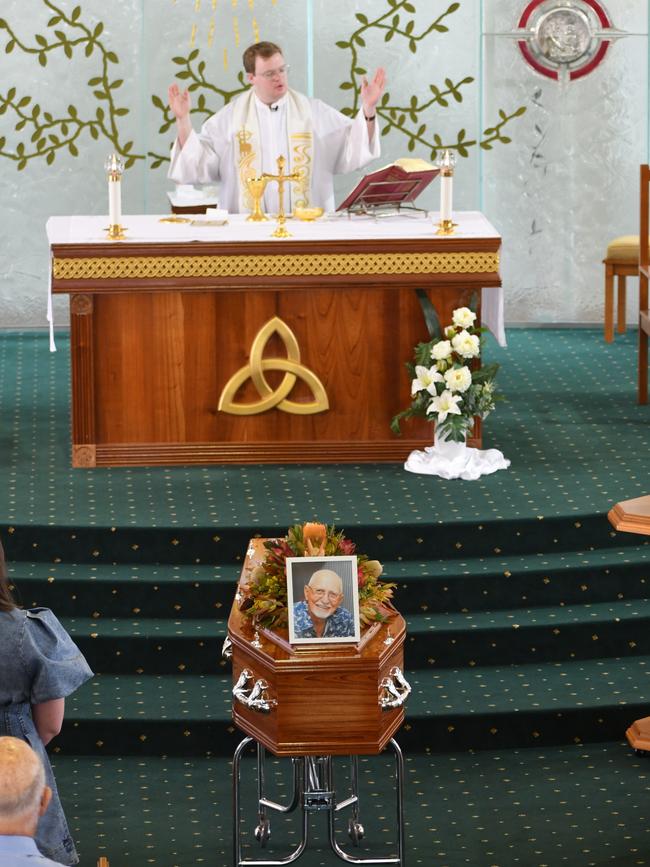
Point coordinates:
[(323, 600)]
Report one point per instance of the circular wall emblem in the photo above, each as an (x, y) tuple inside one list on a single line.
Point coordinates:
[(565, 39)]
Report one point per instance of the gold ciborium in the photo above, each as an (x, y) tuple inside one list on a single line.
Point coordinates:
[(256, 187)]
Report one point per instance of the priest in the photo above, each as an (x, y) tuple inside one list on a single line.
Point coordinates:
[(245, 138)]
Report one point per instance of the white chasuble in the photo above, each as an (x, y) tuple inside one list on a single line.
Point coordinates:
[(266, 132), (246, 137)]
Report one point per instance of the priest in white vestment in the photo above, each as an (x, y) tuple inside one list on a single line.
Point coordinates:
[(245, 138)]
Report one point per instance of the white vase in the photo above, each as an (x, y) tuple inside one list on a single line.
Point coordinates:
[(448, 449)]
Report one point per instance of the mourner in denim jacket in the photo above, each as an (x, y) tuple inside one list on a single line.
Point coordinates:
[(41, 665)]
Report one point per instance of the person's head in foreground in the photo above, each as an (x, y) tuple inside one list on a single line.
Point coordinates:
[(24, 797)]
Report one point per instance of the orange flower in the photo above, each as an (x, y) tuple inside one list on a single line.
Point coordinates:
[(314, 536)]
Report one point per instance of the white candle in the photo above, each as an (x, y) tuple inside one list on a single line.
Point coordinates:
[(114, 202), (446, 181), (114, 167)]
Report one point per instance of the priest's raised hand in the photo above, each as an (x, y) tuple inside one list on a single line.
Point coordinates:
[(371, 92), (180, 104)]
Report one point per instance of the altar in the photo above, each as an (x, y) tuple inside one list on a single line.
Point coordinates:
[(198, 343)]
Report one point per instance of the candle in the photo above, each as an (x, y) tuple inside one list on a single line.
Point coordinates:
[(114, 168), (446, 181), (114, 201)]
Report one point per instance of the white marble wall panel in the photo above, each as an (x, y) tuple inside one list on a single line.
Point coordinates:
[(571, 183)]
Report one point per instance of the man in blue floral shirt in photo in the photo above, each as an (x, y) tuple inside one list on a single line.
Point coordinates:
[(319, 616)]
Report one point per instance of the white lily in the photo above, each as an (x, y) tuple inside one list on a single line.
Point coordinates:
[(446, 404), (426, 378)]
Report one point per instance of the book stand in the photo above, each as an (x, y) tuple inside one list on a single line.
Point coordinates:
[(391, 189), (311, 703)]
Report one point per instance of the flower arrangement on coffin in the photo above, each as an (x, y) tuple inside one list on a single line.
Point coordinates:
[(265, 595), (446, 385)]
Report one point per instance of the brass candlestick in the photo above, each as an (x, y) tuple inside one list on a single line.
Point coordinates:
[(281, 230), (446, 225), (256, 187)]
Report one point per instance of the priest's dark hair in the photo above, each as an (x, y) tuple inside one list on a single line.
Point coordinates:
[(6, 599), (259, 49)]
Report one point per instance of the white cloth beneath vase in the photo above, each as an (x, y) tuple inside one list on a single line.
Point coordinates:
[(467, 463)]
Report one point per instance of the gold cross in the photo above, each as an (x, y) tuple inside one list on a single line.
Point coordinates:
[(281, 179)]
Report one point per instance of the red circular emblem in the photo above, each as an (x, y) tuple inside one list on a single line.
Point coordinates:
[(564, 38)]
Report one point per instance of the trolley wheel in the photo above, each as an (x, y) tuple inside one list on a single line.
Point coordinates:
[(355, 831), (263, 832), (642, 753)]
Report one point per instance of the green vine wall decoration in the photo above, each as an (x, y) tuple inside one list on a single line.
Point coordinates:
[(395, 116), (44, 135)]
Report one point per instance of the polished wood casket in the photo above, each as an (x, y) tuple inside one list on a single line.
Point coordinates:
[(316, 700)]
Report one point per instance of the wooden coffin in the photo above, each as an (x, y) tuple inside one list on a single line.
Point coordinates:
[(320, 700)]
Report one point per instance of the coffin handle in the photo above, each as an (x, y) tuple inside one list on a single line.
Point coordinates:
[(226, 649), (393, 690), (256, 698)]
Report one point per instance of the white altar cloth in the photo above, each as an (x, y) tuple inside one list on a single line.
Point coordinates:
[(338, 226)]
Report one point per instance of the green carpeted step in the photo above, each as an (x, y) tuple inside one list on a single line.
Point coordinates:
[(474, 584), (449, 709), (122, 590), (606, 629), (150, 715), (147, 645), (524, 705), (460, 537), (161, 646)]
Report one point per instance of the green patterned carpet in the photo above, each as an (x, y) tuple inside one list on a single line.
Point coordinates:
[(573, 806), (577, 440), (528, 620)]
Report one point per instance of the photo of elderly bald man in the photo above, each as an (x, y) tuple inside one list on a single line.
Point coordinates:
[(323, 599)]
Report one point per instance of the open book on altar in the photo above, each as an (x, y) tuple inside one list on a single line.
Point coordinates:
[(396, 184)]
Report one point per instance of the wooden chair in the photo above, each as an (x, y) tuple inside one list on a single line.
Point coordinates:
[(621, 261), (644, 313)]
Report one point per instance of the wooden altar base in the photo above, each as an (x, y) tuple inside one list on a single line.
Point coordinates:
[(159, 330)]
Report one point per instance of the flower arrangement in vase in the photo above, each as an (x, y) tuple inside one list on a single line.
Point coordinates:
[(447, 385)]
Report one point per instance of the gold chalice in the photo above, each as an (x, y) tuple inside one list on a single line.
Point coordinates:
[(256, 187)]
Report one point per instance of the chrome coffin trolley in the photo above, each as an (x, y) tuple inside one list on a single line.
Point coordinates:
[(313, 703)]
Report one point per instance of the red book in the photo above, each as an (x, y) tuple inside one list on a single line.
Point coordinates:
[(396, 184)]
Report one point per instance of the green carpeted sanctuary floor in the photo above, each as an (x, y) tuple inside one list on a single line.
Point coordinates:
[(528, 619), (578, 806), (571, 426)]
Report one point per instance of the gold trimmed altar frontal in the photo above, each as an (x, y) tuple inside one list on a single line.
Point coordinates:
[(178, 355), (305, 265)]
